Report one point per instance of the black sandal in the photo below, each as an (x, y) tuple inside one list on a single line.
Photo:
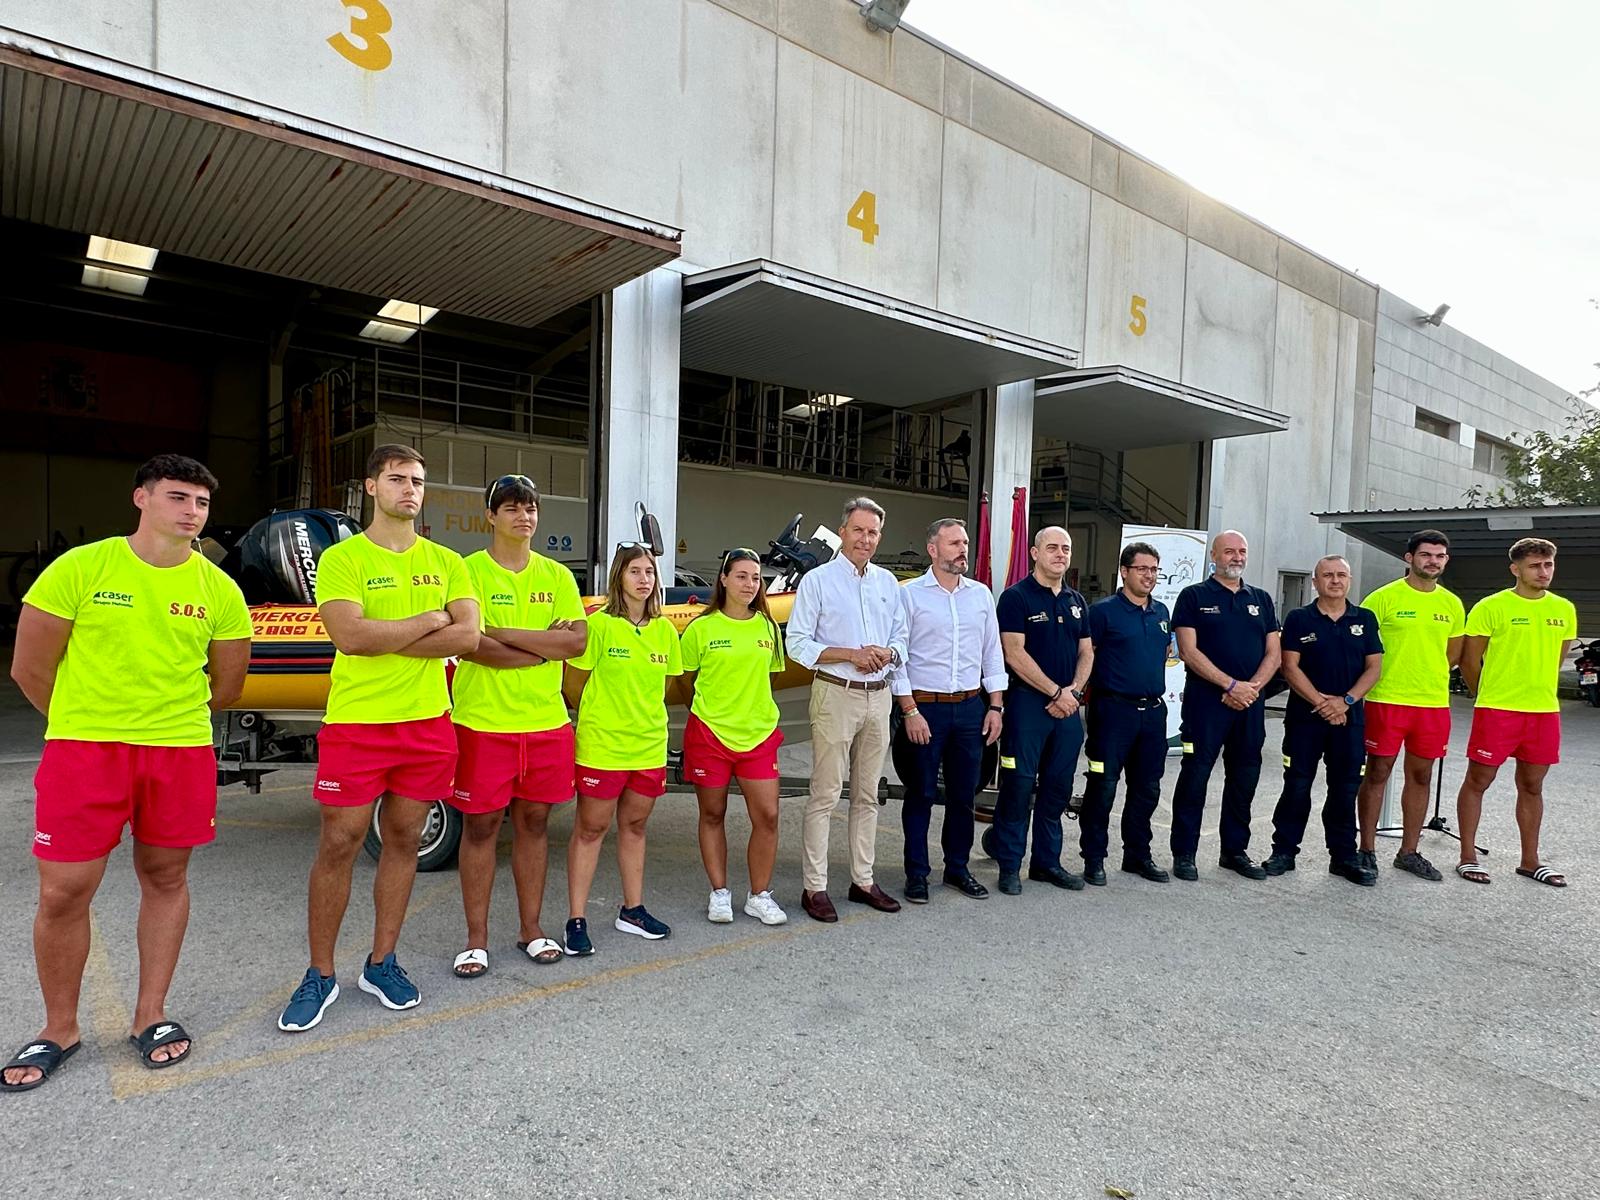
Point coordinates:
[(162, 1033), (44, 1056)]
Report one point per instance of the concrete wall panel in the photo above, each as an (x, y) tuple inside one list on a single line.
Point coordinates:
[(1132, 256), (692, 142), (119, 29), (441, 90), (838, 136), (1013, 240), (1229, 312)]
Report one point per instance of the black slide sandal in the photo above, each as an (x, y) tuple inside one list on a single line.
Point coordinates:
[(43, 1055), (160, 1034)]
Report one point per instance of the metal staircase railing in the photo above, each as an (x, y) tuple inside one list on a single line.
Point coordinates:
[(1093, 480)]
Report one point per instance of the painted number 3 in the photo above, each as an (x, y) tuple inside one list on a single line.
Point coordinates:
[(371, 52), (863, 217)]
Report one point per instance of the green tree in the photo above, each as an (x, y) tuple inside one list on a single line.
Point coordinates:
[(1551, 468)]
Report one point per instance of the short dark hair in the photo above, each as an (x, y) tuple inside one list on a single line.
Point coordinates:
[(1132, 551), (382, 456), (1427, 537), (943, 523), (510, 489), (174, 466), (1527, 547)]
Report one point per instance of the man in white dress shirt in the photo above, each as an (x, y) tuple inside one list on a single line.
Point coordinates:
[(949, 692), (846, 625)]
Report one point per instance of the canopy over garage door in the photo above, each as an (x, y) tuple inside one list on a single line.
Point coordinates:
[(1118, 408), (1480, 539), (759, 320), (83, 151)]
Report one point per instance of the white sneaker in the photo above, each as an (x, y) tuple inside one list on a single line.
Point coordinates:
[(720, 908), (765, 909)]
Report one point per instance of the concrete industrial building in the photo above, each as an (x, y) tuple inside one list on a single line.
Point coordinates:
[(732, 259)]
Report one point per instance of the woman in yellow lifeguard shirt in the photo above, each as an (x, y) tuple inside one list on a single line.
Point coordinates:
[(622, 740), (730, 652)]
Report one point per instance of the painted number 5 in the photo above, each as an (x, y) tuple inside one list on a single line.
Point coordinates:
[(1140, 322), (372, 53), (863, 216)]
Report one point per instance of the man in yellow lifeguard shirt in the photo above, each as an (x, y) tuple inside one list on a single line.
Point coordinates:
[(512, 732), (1515, 643), (125, 645), (1421, 624), (395, 606)]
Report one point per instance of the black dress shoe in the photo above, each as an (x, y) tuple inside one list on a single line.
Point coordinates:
[(1146, 867), (1279, 864), (1059, 876), (1010, 883), (1094, 873), (1183, 868), (1354, 871), (917, 891), (1241, 863), (966, 885)]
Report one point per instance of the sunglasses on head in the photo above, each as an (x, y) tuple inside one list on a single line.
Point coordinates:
[(739, 554), (506, 481)]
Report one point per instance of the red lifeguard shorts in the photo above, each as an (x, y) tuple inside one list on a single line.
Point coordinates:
[(85, 792), (1424, 732), (710, 763), (358, 763), (608, 785), (1499, 734), (494, 768)]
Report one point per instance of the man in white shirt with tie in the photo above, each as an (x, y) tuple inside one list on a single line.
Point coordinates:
[(846, 625), (949, 692)]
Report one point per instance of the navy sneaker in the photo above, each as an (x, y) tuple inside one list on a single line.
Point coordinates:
[(309, 1002), (578, 943), (388, 981), (637, 921)]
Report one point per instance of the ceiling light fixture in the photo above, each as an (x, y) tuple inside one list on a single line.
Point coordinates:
[(123, 254), (397, 321)]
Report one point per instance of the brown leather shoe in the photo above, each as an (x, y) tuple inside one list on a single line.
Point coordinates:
[(818, 907), (874, 896)]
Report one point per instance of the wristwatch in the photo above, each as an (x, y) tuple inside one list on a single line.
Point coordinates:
[(1349, 699), (996, 708), (1077, 694)]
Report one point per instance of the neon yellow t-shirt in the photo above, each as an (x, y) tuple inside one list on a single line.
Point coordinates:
[(135, 666), (733, 693), (377, 689), (522, 699), (1416, 628), (622, 718), (1522, 663)]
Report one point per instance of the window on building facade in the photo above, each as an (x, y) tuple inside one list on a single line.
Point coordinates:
[(1435, 424), (1489, 455)]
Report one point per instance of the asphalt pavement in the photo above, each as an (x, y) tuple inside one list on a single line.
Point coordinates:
[(1298, 1037)]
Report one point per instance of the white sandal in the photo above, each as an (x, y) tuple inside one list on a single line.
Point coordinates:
[(468, 958), (540, 946), (1468, 870)]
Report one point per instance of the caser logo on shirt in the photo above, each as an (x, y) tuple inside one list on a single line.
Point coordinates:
[(502, 598), (112, 599), (380, 583), (720, 644)]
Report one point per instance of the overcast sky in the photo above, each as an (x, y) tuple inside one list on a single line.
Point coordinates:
[(1449, 152)]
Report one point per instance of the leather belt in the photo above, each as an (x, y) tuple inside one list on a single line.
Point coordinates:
[(866, 685), (1139, 702), (943, 697)]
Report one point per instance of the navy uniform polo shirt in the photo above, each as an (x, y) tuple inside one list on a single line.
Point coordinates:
[(1130, 646), (1230, 628), (1332, 653), (1051, 625)]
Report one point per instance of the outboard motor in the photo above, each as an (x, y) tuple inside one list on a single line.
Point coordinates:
[(275, 562)]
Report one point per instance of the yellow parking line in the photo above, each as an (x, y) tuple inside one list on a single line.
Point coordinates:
[(108, 1010), (128, 1086)]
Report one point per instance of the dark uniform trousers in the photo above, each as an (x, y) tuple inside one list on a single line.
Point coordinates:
[(1122, 735), (1041, 749), (1308, 740), (1210, 728), (956, 743)]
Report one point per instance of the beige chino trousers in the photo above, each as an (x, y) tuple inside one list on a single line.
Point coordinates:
[(849, 727)]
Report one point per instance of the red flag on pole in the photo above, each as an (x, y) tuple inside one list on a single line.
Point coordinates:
[(981, 571), (1020, 564)]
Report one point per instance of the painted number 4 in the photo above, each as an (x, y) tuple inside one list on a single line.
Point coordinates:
[(864, 217), (371, 53)]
